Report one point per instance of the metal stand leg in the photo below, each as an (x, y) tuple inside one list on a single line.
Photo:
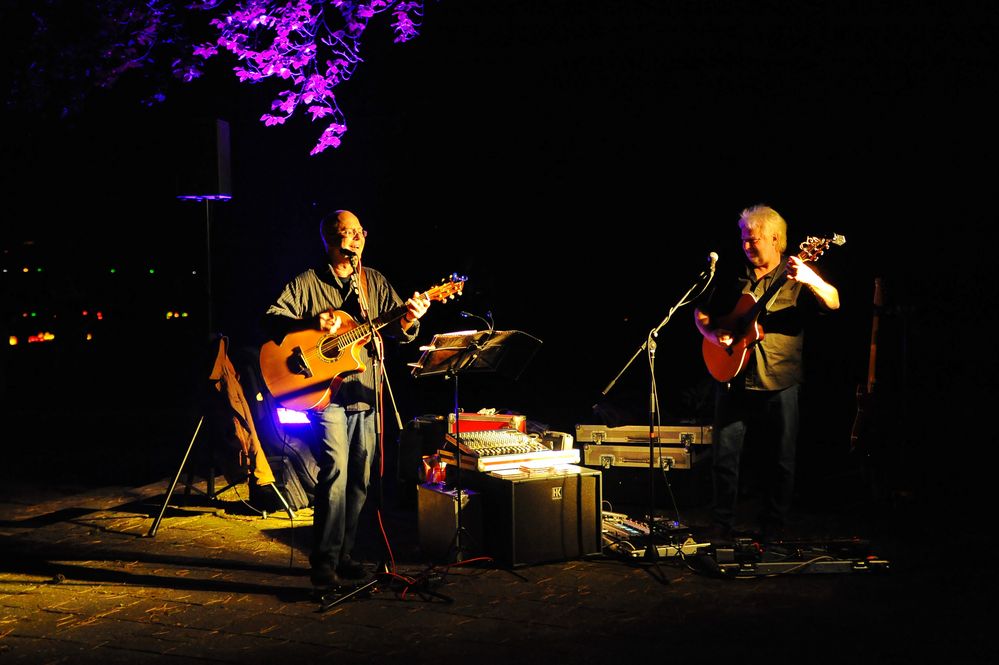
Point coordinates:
[(173, 485), (287, 508)]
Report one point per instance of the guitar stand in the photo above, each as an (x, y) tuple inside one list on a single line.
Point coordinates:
[(211, 493), (209, 480)]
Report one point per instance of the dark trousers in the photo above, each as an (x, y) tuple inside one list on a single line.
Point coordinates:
[(771, 420)]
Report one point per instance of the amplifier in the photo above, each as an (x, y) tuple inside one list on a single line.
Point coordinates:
[(437, 521), (538, 519)]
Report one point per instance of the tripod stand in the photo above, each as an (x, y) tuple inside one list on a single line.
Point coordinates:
[(649, 346), (232, 424), (452, 354)]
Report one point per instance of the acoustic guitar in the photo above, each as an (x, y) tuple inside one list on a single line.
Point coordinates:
[(865, 392), (305, 369), (725, 363)]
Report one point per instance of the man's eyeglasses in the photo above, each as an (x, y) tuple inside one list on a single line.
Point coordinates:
[(353, 233)]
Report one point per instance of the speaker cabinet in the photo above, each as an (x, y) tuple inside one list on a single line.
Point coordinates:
[(549, 518), (437, 520), (204, 170)]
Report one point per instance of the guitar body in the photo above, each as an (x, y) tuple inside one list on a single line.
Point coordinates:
[(306, 369), (725, 362)]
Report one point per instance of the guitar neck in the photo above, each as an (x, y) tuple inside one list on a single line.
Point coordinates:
[(768, 295), (400, 311), (363, 330), (778, 282)]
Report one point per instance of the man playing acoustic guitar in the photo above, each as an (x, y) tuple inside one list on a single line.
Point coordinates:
[(753, 324), (327, 299)]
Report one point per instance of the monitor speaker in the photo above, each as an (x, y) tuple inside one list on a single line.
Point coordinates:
[(437, 521), (537, 520)]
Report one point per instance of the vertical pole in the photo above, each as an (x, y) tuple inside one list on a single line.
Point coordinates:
[(208, 265)]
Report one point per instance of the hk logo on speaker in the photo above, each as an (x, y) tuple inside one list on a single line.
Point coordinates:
[(556, 494)]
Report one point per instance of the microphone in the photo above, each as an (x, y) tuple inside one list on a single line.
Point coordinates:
[(350, 254)]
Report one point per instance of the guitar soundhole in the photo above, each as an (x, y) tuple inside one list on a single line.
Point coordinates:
[(328, 350)]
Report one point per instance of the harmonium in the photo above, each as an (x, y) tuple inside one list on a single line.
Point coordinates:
[(672, 446)]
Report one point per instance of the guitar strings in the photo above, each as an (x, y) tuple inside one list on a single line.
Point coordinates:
[(351, 336)]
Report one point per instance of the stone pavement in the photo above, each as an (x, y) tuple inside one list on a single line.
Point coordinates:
[(81, 582)]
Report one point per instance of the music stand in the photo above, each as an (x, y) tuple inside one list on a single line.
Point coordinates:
[(504, 352)]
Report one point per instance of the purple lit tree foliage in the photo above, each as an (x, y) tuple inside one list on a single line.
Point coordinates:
[(293, 41), (310, 46)]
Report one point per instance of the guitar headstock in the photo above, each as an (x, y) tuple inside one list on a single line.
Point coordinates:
[(814, 247), (449, 288)]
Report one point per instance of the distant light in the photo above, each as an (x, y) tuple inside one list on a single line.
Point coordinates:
[(24, 269), (114, 270), (290, 416), (41, 337), (12, 340), (90, 337), (38, 269), (100, 316), (204, 197), (83, 313), (152, 271)]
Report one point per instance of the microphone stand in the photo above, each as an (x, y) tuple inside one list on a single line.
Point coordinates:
[(376, 354), (649, 345), (475, 347)]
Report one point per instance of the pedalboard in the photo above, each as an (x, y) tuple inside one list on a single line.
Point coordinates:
[(748, 558), (629, 538)]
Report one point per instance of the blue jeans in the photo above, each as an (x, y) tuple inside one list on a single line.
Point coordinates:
[(346, 448), (772, 419)]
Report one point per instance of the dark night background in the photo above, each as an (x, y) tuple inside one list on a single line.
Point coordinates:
[(577, 161)]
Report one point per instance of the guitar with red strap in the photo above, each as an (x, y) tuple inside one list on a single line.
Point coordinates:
[(305, 370), (865, 393), (725, 362)]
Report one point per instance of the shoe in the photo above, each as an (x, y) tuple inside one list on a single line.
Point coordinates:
[(351, 570), (324, 577)]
